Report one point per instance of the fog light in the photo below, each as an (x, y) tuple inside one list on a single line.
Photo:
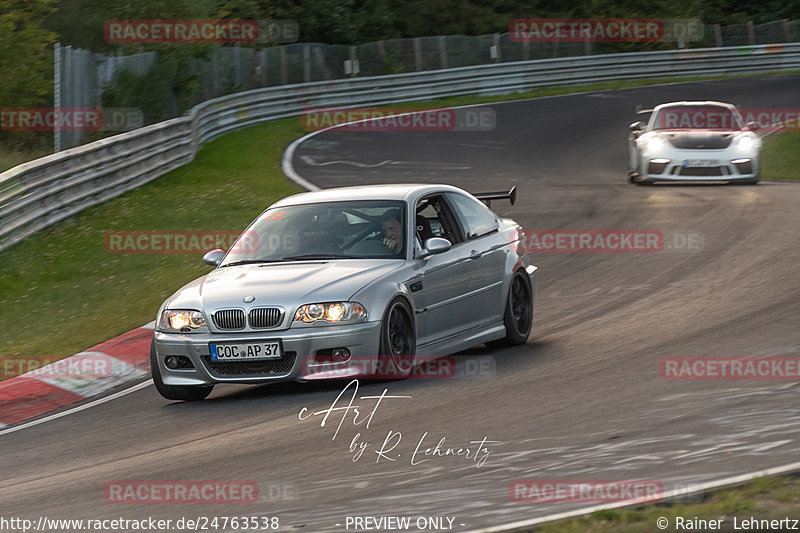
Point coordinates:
[(340, 354), (178, 362)]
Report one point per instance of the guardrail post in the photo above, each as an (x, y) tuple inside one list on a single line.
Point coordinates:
[(442, 52), (417, 54), (495, 55), (751, 32), (718, 35)]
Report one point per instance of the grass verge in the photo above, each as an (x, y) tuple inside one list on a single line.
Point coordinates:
[(11, 158), (780, 156), (769, 498)]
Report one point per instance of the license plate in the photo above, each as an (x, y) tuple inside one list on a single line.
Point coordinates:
[(246, 351), (701, 162)]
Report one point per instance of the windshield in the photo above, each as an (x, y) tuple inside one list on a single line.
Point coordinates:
[(697, 117), (356, 229)]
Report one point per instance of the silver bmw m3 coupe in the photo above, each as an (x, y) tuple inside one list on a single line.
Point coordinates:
[(320, 279)]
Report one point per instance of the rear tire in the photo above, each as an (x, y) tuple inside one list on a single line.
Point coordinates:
[(398, 339), (188, 393), (518, 318)]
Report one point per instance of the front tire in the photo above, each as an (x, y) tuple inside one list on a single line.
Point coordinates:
[(186, 393), (398, 339), (518, 318)]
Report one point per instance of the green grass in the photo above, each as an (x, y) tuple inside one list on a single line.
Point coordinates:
[(763, 498), (62, 292), (780, 156), (11, 158)]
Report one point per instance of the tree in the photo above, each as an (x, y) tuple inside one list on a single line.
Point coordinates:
[(26, 58)]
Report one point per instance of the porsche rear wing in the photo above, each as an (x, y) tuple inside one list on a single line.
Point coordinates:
[(640, 111), (487, 197)]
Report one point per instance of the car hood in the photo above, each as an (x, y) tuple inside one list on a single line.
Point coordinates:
[(699, 140), (285, 284)]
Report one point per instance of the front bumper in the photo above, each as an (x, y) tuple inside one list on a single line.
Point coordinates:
[(675, 167), (299, 347)]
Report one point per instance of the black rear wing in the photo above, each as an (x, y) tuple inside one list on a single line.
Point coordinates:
[(487, 197)]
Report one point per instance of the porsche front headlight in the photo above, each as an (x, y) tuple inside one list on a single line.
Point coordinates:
[(654, 144), (181, 320), (745, 143), (331, 312)]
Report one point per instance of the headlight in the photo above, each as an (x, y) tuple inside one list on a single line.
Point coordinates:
[(333, 312), (183, 320), (745, 143), (654, 144)]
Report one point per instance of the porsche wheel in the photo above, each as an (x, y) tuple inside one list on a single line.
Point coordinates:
[(518, 317), (175, 392), (398, 339)]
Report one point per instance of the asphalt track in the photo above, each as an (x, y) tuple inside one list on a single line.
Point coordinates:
[(584, 399)]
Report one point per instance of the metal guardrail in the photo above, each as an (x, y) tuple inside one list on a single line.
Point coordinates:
[(37, 194)]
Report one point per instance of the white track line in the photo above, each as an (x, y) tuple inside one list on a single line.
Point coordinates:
[(79, 408), (692, 489)]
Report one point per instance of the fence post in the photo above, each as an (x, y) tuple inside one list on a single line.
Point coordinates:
[(57, 93), (718, 35), (442, 52), (306, 62), (526, 50), (496, 43), (284, 73), (417, 54), (787, 31), (264, 81), (751, 32)]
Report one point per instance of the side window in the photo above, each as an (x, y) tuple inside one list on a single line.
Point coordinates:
[(478, 220), (435, 219)]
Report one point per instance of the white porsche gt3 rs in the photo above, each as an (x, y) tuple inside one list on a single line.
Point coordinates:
[(694, 141)]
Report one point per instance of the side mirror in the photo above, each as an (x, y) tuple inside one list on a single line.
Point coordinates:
[(436, 245), (214, 257), (753, 126), (637, 126)]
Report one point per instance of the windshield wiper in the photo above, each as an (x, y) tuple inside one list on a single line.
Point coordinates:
[(251, 262), (317, 256)]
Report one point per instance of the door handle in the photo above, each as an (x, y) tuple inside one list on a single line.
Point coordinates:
[(474, 254)]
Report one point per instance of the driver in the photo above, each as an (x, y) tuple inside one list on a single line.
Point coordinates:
[(392, 230)]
